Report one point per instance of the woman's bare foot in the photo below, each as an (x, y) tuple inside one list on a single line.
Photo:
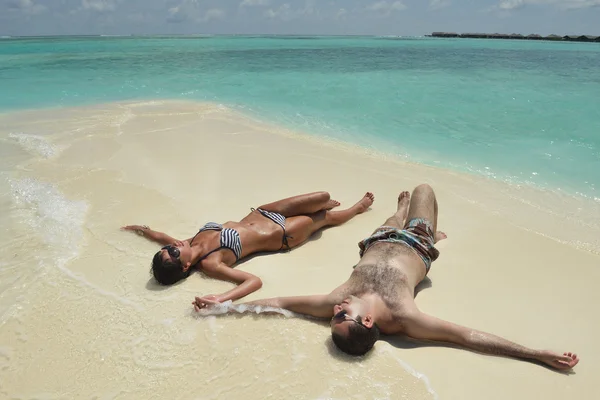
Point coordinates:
[(439, 235), (331, 204), (365, 202)]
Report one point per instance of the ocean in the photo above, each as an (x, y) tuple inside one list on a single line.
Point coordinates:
[(523, 112)]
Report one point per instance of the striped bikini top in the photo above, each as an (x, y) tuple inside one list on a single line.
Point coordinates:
[(230, 239)]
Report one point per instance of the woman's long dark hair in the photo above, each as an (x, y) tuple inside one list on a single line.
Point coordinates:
[(167, 272)]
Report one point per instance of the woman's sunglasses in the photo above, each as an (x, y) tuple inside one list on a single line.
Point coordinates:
[(173, 251)]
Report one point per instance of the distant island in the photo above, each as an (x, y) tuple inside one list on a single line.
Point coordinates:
[(515, 36)]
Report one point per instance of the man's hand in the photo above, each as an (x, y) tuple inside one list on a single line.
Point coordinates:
[(205, 302), (558, 361)]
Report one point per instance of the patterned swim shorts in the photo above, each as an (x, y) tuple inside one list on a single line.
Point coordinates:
[(418, 236)]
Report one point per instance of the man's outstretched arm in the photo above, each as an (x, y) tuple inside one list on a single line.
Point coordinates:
[(320, 306), (425, 327)]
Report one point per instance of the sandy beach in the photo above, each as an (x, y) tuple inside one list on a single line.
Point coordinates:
[(81, 317)]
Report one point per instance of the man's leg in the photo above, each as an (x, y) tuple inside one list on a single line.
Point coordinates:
[(423, 204), (301, 227), (303, 204), (399, 218), (406, 202)]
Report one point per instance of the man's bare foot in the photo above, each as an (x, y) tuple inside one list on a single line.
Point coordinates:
[(403, 202), (365, 202), (439, 235), (331, 204)]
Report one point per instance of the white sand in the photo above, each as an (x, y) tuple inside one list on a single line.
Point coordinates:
[(81, 318)]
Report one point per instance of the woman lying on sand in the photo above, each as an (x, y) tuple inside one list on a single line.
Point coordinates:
[(214, 250)]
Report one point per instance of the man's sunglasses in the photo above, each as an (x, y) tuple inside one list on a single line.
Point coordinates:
[(173, 251), (343, 315)]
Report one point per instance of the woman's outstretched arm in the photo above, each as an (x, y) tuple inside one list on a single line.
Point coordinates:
[(155, 236)]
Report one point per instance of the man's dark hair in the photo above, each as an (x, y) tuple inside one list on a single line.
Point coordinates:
[(359, 341), (166, 271)]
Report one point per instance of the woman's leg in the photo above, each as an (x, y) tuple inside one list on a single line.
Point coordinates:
[(301, 227), (303, 204)]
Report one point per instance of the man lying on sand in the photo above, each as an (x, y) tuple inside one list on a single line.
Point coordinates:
[(379, 296)]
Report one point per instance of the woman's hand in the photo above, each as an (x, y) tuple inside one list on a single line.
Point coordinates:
[(155, 236), (139, 229), (205, 302)]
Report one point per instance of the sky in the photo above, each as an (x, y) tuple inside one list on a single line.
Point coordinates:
[(328, 17)]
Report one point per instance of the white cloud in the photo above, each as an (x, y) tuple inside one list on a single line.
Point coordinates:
[(174, 14), (27, 6), (192, 10), (584, 4), (283, 12), (572, 4), (341, 14), (254, 3), (309, 8), (213, 13), (387, 7), (98, 5), (437, 4), (507, 5)]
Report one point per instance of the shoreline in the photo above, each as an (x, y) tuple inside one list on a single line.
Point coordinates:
[(547, 202), (276, 127)]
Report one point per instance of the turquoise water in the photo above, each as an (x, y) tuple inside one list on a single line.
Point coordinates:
[(523, 112)]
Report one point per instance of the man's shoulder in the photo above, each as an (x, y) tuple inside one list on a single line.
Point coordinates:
[(401, 313)]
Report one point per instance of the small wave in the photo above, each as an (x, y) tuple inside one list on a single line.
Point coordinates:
[(119, 120), (37, 145), (422, 377), (59, 223), (147, 103), (228, 306), (394, 37), (57, 220), (81, 280)]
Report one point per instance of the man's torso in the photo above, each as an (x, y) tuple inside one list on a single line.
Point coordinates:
[(392, 271)]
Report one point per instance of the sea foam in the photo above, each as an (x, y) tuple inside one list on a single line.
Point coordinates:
[(36, 145)]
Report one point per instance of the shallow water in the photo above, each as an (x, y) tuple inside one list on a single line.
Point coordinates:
[(522, 112)]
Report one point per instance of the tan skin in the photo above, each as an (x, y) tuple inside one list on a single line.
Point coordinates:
[(381, 289), (305, 214)]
